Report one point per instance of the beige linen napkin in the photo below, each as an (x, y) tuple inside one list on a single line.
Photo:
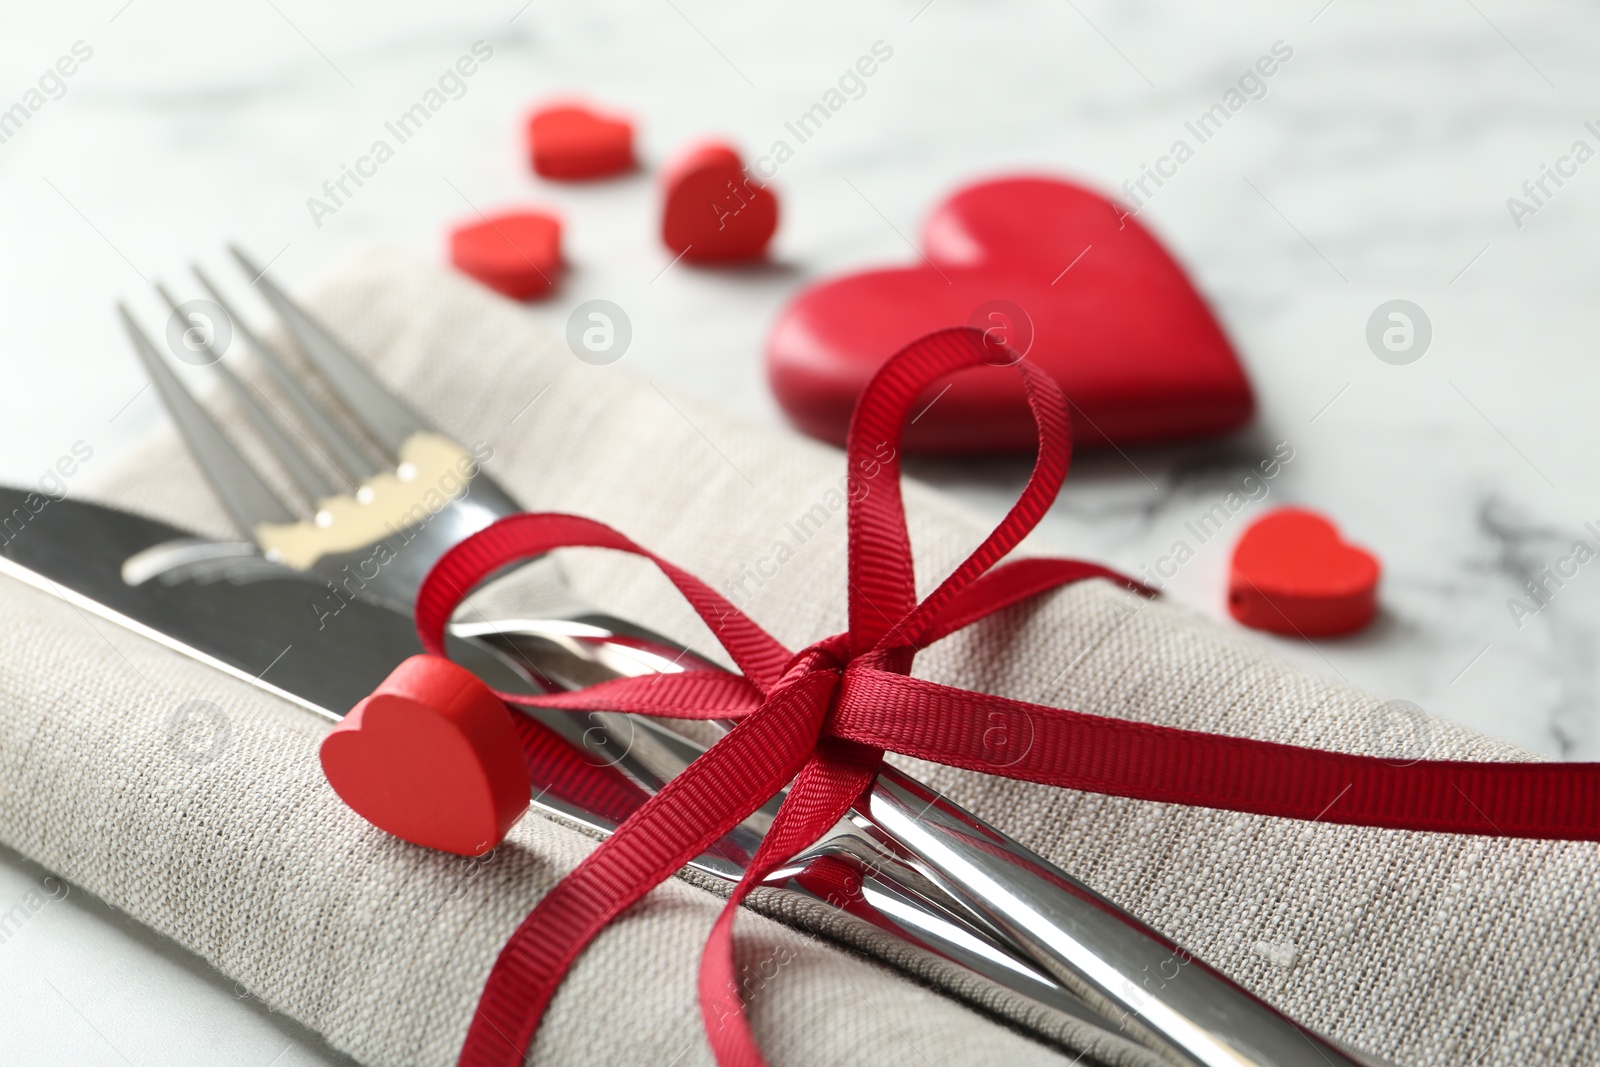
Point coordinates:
[(1421, 948)]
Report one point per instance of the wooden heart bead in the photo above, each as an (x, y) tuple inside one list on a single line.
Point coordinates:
[(570, 142), (431, 757), (1293, 574), (517, 253), (712, 211)]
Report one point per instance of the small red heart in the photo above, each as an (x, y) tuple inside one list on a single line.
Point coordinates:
[(1059, 274), (431, 757), (1293, 574), (712, 211), (517, 254), (571, 142)]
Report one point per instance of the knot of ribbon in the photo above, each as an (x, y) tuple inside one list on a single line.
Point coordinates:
[(821, 720)]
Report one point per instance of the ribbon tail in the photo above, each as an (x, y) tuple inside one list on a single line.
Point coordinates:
[(734, 777), (823, 792), (1098, 754)]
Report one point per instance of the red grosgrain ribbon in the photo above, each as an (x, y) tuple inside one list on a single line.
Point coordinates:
[(823, 718)]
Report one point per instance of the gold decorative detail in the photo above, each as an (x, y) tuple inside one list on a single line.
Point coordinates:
[(433, 471)]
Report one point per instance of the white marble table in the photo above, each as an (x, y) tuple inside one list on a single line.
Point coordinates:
[(1377, 165)]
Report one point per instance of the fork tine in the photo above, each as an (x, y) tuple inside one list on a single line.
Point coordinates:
[(346, 454), (388, 420), (246, 497), (307, 477)]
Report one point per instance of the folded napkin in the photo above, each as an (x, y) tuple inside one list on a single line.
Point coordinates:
[(1422, 948)]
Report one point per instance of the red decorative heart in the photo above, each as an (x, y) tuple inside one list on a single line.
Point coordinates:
[(517, 254), (571, 142), (712, 211), (1059, 274), (1293, 574), (432, 757)]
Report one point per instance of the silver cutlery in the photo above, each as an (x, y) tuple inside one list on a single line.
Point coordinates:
[(259, 626), (1022, 922)]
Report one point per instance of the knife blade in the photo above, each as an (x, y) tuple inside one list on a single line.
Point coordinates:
[(260, 623)]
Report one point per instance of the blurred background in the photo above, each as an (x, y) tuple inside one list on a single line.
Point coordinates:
[(1399, 153)]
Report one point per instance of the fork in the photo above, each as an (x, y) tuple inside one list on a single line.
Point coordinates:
[(286, 533), (959, 890)]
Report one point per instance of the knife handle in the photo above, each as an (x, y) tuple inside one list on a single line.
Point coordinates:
[(1150, 988), (845, 887)]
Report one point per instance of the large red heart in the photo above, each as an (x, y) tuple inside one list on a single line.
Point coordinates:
[(1049, 268), (712, 212), (432, 757), (1293, 574)]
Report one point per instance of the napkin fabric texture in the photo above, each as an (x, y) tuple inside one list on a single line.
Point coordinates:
[(1421, 948)]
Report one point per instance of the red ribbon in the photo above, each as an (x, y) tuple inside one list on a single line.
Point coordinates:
[(820, 721)]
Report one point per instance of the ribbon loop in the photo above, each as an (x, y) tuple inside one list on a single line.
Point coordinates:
[(883, 606), (522, 537)]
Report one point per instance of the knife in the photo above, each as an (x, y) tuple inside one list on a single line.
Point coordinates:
[(267, 625), (949, 920)]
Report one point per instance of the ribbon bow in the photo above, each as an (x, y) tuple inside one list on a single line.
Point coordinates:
[(821, 720)]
